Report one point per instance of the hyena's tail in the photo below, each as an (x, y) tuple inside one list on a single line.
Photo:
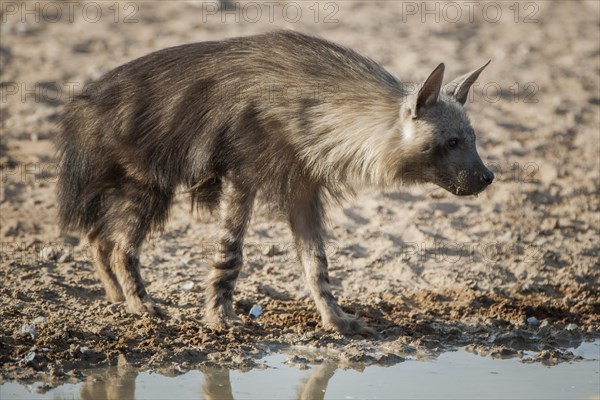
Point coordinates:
[(80, 164)]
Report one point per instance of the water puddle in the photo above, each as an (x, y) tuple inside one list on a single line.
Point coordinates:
[(453, 375)]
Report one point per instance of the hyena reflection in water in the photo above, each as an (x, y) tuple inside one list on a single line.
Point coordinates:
[(169, 119)]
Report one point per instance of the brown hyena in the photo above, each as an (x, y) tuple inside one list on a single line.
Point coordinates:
[(294, 118)]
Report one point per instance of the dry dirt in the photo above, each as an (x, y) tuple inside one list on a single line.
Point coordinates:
[(514, 269)]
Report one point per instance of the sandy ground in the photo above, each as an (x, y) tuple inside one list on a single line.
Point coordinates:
[(514, 269)]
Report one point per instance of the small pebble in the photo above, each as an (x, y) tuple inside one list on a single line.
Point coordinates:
[(29, 357), (533, 321), (255, 312), (28, 329)]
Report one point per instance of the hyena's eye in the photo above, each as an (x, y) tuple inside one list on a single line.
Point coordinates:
[(452, 142)]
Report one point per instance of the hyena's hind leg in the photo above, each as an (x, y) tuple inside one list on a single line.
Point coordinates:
[(236, 209), (131, 212), (100, 252), (306, 221)]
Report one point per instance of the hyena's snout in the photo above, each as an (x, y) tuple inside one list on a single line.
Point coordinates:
[(473, 180), (467, 177)]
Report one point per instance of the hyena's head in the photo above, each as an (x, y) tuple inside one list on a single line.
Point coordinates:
[(439, 136)]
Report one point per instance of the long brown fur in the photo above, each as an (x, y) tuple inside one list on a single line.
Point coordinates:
[(296, 119)]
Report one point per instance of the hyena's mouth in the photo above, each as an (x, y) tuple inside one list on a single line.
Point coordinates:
[(458, 191), (462, 191), (465, 184)]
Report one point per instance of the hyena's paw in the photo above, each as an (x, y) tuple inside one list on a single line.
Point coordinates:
[(349, 325), (221, 320), (145, 305)]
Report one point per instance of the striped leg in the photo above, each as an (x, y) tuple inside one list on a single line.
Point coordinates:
[(306, 221), (101, 256), (126, 264), (236, 209), (131, 210)]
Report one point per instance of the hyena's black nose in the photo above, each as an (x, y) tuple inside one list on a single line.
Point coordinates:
[(488, 177)]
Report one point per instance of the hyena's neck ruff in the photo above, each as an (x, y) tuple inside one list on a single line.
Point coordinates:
[(294, 117), (357, 147)]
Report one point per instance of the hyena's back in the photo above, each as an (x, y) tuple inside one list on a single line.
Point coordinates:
[(190, 115)]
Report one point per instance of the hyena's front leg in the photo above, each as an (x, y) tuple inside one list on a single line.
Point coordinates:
[(126, 265), (236, 208), (306, 222)]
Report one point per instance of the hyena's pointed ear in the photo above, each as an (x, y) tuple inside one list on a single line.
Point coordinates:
[(429, 92), (459, 88)]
